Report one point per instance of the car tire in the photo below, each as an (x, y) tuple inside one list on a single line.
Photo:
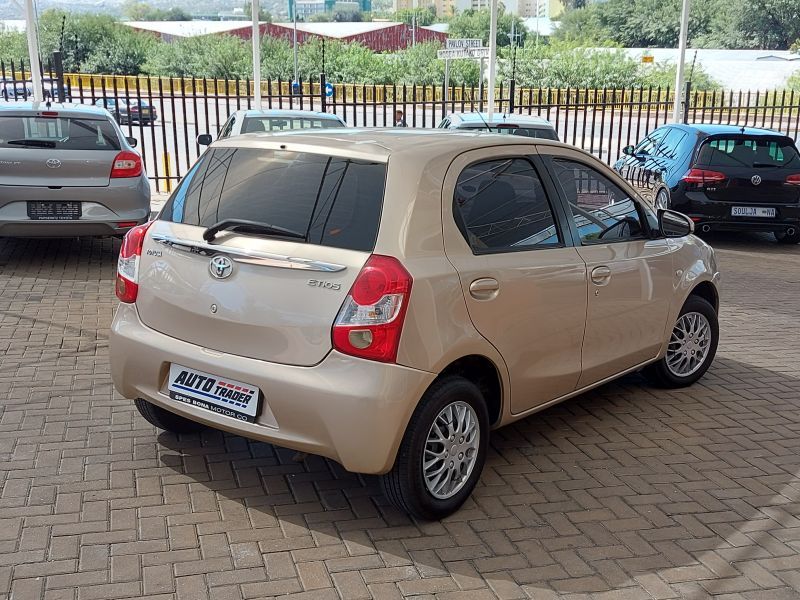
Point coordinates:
[(784, 238), (662, 199), (668, 372), (163, 419), (407, 485)]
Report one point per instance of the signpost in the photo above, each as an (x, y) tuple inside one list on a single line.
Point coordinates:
[(458, 49)]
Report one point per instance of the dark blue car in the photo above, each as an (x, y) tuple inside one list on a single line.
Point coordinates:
[(722, 176)]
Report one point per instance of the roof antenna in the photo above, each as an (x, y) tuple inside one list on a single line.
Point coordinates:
[(480, 116)]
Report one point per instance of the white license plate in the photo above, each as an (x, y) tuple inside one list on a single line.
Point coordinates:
[(752, 211), (221, 395)]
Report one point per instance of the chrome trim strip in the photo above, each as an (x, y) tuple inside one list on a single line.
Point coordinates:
[(243, 255)]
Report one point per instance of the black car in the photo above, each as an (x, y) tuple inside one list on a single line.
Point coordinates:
[(722, 176)]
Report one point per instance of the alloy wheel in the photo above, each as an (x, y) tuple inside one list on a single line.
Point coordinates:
[(451, 450), (689, 344)]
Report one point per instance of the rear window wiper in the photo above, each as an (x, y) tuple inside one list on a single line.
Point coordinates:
[(250, 227), (32, 143)]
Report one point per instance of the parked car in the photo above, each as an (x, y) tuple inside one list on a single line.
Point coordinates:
[(13, 89), (272, 121), (386, 297), (67, 170), (722, 176), (524, 125), (129, 111)]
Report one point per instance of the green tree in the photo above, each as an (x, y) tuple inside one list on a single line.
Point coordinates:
[(663, 75), (773, 24), (123, 54), (82, 34), (13, 47), (213, 56), (263, 13), (475, 24), (425, 16), (793, 83)]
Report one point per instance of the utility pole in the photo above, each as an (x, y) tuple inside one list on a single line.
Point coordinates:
[(256, 35), (294, 13), (33, 51), (492, 56), (679, 87)]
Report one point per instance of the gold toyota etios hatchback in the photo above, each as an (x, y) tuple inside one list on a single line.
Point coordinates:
[(385, 298)]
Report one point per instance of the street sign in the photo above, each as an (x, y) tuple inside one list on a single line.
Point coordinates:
[(328, 90), (454, 43), (461, 53)]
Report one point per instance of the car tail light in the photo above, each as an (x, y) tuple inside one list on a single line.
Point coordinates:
[(702, 176), (793, 179), (128, 263), (126, 164), (370, 321)]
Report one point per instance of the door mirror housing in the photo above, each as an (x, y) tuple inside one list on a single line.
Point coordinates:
[(132, 141), (674, 224), (628, 150), (204, 139)]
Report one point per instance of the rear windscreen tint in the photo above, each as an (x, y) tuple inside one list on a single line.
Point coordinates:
[(59, 133), (750, 152), (332, 201)]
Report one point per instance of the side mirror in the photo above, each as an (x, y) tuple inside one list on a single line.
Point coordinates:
[(628, 150), (674, 224), (132, 141), (204, 139)]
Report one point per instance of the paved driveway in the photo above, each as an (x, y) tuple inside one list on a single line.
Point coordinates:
[(624, 493)]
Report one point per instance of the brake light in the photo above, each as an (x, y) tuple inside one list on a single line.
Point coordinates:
[(126, 164), (370, 321), (49, 114), (702, 176), (793, 179), (128, 263)]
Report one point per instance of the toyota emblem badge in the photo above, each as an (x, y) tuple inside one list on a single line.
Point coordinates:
[(220, 267), (755, 179), (53, 163)]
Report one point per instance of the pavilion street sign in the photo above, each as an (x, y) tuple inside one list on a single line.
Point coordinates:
[(454, 43)]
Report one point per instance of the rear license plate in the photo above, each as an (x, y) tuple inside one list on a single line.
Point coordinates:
[(221, 395), (54, 211), (752, 211)]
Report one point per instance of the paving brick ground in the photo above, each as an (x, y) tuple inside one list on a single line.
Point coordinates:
[(624, 493)]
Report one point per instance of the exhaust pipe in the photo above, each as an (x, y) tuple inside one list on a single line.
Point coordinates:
[(790, 231), (705, 228)]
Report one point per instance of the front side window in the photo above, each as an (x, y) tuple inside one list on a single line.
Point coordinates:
[(58, 133), (649, 144), (670, 144), (501, 206), (326, 200), (227, 127), (601, 210)]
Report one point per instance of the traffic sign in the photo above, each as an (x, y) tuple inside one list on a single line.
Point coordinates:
[(328, 90), (460, 53), (454, 43)]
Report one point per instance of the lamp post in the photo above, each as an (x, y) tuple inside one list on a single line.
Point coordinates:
[(676, 107), (492, 56), (256, 35)]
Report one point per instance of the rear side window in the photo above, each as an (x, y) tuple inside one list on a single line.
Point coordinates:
[(501, 206), (59, 133), (332, 201), (750, 152), (261, 124)]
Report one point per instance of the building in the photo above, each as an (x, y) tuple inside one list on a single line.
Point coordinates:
[(378, 36), (307, 8)]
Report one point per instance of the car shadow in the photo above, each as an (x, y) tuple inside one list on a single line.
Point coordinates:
[(626, 486)]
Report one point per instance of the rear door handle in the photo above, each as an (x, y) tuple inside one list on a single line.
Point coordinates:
[(601, 275), (485, 288)]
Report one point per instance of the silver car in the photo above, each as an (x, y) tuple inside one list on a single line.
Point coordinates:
[(511, 124), (272, 121), (67, 170)]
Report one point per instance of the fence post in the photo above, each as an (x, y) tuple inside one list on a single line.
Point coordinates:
[(688, 91), (58, 66), (322, 95), (512, 87)]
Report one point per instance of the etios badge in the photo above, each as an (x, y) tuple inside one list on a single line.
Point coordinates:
[(220, 267), (755, 179)]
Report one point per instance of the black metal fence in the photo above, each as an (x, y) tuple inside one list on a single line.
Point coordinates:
[(601, 121)]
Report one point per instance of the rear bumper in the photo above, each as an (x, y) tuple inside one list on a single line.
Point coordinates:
[(350, 410), (102, 209), (711, 215)]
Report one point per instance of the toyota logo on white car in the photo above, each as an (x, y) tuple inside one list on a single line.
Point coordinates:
[(220, 267), (53, 163)]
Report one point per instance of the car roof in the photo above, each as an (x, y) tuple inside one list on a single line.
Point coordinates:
[(308, 114), (496, 118), (381, 143), (715, 129), (64, 110)]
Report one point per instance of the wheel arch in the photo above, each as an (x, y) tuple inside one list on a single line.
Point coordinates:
[(708, 292), (483, 372)]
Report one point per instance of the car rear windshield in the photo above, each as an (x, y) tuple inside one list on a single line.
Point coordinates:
[(58, 133), (261, 124), (542, 133), (750, 152), (332, 201)]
